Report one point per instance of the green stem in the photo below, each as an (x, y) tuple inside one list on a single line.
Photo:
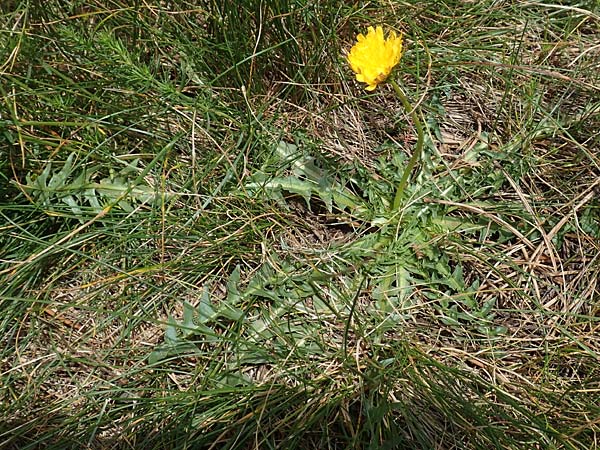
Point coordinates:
[(417, 153)]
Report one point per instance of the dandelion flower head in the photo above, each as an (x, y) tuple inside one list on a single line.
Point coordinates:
[(373, 57)]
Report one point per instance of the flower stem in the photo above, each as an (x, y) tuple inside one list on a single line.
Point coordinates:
[(417, 153)]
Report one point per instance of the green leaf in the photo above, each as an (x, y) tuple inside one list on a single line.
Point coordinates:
[(230, 312), (188, 324), (233, 293), (204, 308), (171, 336), (59, 179)]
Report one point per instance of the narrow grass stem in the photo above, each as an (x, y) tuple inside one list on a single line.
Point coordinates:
[(417, 153)]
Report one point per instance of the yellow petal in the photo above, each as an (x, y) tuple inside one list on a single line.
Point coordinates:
[(373, 56)]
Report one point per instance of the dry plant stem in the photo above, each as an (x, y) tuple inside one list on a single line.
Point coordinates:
[(417, 153)]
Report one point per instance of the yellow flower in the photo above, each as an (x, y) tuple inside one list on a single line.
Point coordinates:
[(373, 57)]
